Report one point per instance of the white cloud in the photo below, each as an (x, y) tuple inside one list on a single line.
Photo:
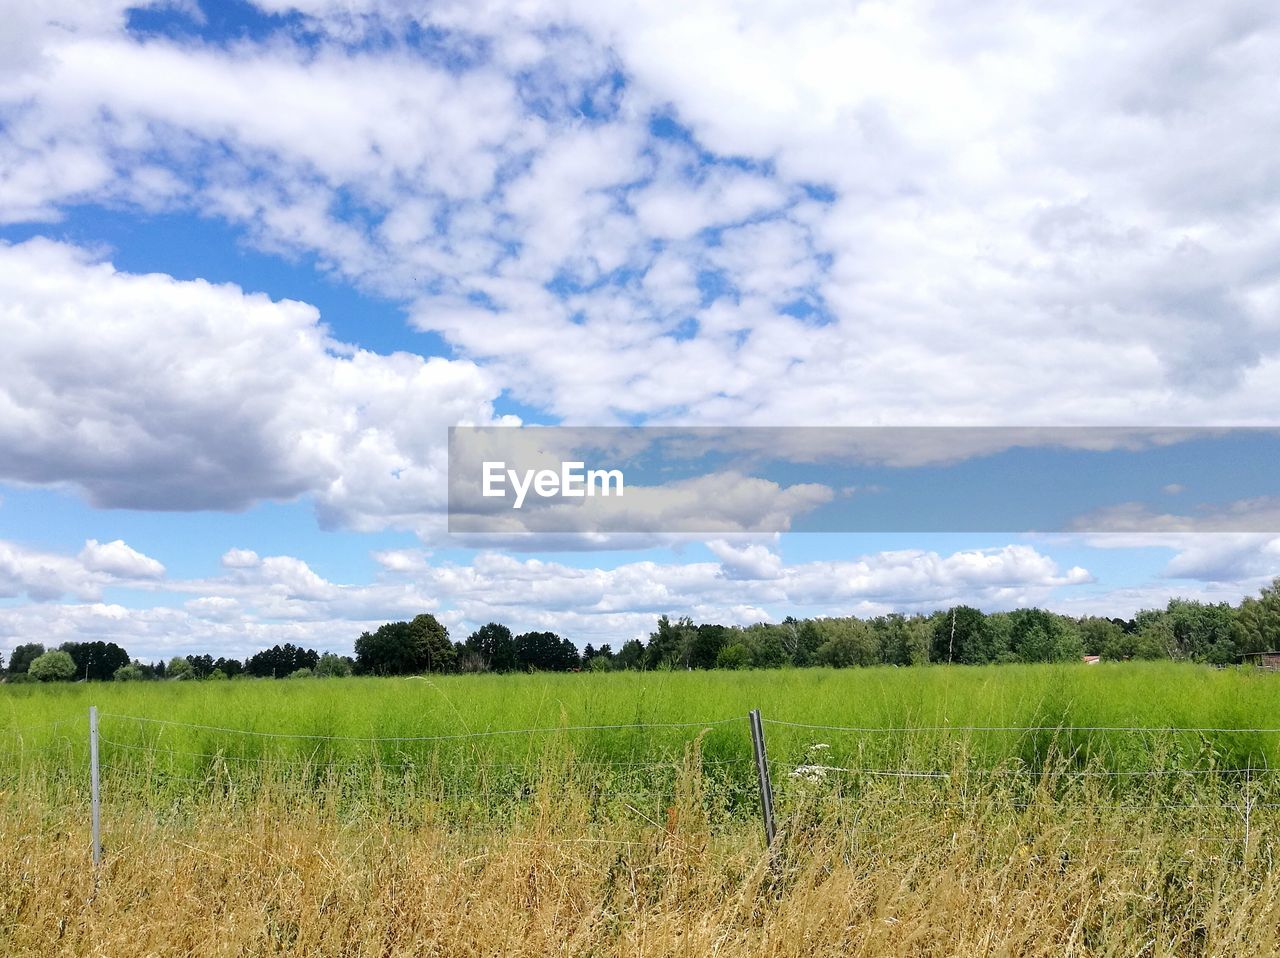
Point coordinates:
[(32, 28), (282, 599), (1022, 216), (240, 559), (43, 576), (677, 209), (1019, 222), (1229, 558), (160, 632), (119, 560), (152, 393), (402, 560), (750, 561), (1239, 560), (214, 608)]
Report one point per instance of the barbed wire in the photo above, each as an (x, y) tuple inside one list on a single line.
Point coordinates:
[(524, 792), (62, 745), (1048, 772), (40, 727), (996, 801), (635, 726), (1149, 730), (215, 781), (672, 764), (445, 781)]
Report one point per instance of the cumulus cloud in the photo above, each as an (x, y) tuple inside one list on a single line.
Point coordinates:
[(151, 393), (750, 561), (1227, 558), (240, 559), (43, 576), (159, 632), (747, 584), (281, 598), (119, 560), (1239, 560), (214, 608)]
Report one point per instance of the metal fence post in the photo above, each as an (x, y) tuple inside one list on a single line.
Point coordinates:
[(95, 797), (762, 771)]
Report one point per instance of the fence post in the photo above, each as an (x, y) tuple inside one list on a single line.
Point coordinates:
[(93, 786), (762, 771)]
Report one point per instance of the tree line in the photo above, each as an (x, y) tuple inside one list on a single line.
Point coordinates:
[(1186, 629), (107, 661)]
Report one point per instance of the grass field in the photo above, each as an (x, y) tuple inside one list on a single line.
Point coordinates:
[(1037, 810)]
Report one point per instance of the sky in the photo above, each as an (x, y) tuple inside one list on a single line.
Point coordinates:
[(257, 258)]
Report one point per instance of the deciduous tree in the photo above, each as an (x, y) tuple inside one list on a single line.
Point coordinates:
[(55, 666)]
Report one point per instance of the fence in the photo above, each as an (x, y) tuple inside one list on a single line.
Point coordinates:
[(643, 768)]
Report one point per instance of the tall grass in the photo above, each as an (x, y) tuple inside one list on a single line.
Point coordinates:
[(978, 811), (872, 878), (1142, 694), (1110, 728)]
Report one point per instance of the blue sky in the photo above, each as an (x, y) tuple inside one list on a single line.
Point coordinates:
[(257, 258)]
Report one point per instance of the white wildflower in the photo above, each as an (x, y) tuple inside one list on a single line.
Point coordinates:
[(810, 773)]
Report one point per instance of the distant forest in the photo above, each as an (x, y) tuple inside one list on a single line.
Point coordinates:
[(1188, 630)]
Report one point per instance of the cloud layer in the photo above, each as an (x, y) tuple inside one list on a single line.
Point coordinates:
[(727, 213), (256, 599)]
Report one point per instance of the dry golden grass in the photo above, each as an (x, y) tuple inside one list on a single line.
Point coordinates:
[(277, 877), (1052, 851)]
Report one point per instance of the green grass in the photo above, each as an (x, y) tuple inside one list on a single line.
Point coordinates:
[(927, 710), (1147, 694), (1055, 837)]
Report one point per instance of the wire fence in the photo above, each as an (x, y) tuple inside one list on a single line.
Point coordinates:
[(545, 730), (961, 729), (1226, 776)]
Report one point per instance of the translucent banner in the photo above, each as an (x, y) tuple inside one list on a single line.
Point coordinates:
[(583, 480)]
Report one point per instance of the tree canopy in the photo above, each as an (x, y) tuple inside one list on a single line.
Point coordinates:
[(1185, 629), (55, 666)]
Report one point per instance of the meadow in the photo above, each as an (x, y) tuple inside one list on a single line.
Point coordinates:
[(1018, 810)]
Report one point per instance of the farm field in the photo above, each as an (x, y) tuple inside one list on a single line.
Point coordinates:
[(1020, 810)]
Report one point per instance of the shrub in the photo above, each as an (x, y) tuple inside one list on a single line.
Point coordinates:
[(735, 656), (56, 666), (333, 666), (846, 642)]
